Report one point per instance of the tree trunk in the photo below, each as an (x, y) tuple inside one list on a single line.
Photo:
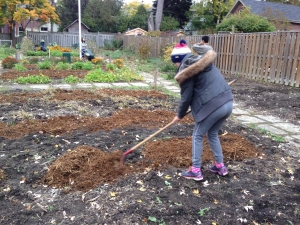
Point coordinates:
[(150, 22), (159, 12)]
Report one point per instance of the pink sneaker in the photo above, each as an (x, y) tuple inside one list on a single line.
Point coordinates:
[(219, 168)]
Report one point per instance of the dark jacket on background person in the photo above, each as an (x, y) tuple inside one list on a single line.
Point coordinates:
[(203, 87)]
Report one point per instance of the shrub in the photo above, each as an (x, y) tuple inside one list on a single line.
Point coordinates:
[(9, 62), (143, 48), (98, 75), (44, 65), (77, 65), (72, 79), (167, 50), (33, 60), (6, 51), (246, 22), (34, 79), (97, 60), (19, 67), (87, 66), (155, 33), (111, 66), (92, 45), (119, 63), (26, 45), (62, 66), (36, 53), (56, 53), (124, 74), (113, 44)]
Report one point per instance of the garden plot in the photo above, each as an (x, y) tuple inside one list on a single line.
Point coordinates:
[(60, 153)]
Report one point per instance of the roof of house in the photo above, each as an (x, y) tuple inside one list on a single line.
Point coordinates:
[(136, 29), (75, 22), (291, 12)]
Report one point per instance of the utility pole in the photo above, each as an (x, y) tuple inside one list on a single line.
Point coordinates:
[(79, 26)]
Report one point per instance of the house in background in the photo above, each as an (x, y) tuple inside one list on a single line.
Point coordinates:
[(137, 32), (35, 26), (290, 12), (74, 27)]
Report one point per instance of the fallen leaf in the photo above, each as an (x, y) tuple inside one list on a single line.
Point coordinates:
[(213, 223), (142, 189), (242, 220), (205, 184), (245, 192), (248, 207), (139, 200), (196, 192), (216, 201), (291, 171), (112, 194), (139, 182), (168, 177)]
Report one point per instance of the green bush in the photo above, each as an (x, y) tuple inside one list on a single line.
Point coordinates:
[(9, 62), (56, 53), (124, 74), (19, 67), (36, 53), (44, 65), (34, 79), (33, 60), (111, 66), (62, 66), (77, 66), (82, 66), (113, 44), (72, 79), (88, 66), (246, 22), (6, 51), (168, 67)]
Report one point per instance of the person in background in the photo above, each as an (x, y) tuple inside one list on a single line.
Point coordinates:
[(43, 46), (180, 51), (205, 40), (83, 47), (203, 88)]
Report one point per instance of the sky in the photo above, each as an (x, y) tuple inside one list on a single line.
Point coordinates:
[(144, 1)]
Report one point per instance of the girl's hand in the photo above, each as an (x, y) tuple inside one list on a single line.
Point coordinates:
[(176, 119)]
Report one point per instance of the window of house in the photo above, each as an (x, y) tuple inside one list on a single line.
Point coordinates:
[(44, 29), (21, 31)]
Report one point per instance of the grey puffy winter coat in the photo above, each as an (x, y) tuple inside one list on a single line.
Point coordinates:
[(203, 87)]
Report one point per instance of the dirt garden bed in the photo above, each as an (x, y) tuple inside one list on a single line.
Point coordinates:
[(60, 152)]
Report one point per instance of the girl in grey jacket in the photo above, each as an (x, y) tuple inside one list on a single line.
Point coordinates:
[(204, 89)]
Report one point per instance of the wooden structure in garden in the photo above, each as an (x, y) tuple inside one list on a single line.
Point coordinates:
[(74, 27), (273, 57)]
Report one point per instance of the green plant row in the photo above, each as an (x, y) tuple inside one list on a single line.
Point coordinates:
[(97, 75)]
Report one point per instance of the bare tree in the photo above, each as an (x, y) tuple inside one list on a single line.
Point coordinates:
[(150, 22), (159, 13), (276, 17)]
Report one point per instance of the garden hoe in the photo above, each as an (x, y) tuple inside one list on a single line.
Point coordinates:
[(153, 135)]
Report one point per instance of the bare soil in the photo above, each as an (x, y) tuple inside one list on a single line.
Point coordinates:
[(60, 160)]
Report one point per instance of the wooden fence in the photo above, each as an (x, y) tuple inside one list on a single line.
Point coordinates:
[(68, 39), (273, 57)]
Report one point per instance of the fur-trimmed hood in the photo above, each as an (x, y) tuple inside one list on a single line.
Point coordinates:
[(194, 64)]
